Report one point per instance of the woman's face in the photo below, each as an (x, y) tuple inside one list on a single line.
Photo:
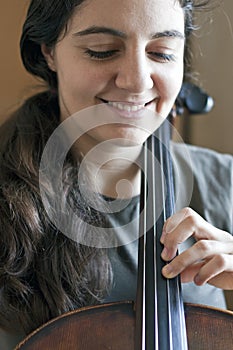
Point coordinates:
[(126, 54)]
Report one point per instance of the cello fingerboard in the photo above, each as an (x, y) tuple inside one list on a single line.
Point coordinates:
[(160, 323)]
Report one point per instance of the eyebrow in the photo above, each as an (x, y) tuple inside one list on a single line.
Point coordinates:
[(101, 30), (168, 33), (114, 32)]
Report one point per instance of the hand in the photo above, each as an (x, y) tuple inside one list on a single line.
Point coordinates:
[(210, 259)]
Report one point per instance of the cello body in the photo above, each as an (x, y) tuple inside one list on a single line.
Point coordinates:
[(112, 326)]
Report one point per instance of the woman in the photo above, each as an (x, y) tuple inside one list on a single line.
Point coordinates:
[(128, 57)]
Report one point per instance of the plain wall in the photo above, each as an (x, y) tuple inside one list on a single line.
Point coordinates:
[(213, 61), (15, 84)]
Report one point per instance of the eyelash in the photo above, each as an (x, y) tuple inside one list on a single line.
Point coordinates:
[(100, 55), (164, 57), (103, 55)]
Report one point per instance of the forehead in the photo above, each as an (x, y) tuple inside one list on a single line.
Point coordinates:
[(134, 16)]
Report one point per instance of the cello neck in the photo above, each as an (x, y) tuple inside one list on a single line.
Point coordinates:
[(160, 322)]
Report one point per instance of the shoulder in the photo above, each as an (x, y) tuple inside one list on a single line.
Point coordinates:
[(206, 178), (201, 155), (204, 164)]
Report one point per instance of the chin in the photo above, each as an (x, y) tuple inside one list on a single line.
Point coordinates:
[(123, 136)]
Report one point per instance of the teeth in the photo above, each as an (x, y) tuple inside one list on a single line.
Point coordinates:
[(124, 107)]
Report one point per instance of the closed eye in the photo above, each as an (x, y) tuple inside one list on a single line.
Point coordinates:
[(104, 55), (162, 57), (101, 55)]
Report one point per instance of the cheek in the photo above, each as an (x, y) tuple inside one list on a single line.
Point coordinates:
[(84, 83), (78, 88), (169, 83)]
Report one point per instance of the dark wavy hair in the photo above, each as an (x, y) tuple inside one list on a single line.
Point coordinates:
[(43, 273)]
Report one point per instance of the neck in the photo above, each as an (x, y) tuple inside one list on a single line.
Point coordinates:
[(119, 179), (112, 169)]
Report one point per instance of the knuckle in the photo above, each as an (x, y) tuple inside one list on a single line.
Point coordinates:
[(188, 211), (191, 218), (171, 241), (220, 261), (203, 246)]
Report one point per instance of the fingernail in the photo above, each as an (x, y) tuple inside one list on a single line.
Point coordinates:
[(164, 253), (162, 238), (167, 254), (197, 280), (168, 271)]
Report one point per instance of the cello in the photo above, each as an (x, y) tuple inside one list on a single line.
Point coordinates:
[(158, 319)]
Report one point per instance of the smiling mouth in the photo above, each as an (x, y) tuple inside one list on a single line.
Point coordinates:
[(127, 107)]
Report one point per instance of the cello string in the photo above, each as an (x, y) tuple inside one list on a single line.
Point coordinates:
[(154, 245), (140, 297), (144, 242), (149, 257)]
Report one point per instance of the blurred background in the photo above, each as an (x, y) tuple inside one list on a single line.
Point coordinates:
[(212, 63)]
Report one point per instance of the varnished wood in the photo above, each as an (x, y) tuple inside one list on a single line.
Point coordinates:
[(209, 328), (108, 326), (112, 326)]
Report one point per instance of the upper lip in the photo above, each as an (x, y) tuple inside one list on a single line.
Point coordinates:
[(130, 103)]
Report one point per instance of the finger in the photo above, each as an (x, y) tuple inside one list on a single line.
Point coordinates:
[(223, 281), (192, 225), (173, 239), (214, 267), (188, 274), (178, 228), (172, 222), (200, 251)]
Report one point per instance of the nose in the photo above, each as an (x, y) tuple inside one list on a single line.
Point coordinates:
[(135, 73)]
